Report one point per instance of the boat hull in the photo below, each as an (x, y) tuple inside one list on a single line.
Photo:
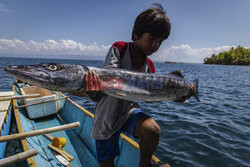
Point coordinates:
[(79, 142)]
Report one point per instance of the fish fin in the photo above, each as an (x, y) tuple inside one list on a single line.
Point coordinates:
[(196, 85), (177, 73)]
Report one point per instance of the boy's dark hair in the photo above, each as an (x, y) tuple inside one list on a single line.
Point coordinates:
[(153, 21)]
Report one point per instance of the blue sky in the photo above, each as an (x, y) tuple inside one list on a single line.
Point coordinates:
[(89, 27)]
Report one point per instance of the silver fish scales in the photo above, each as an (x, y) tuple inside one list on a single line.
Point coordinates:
[(119, 83)]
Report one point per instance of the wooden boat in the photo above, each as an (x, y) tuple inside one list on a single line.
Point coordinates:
[(79, 142), (5, 119)]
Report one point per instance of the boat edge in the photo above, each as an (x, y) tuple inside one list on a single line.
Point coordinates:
[(30, 161), (123, 136)]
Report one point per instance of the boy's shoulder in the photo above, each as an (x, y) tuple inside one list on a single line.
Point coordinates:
[(120, 45)]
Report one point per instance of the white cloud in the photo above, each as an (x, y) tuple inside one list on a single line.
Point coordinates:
[(3, 8), (187, 54), (51, 47), (181, 53)]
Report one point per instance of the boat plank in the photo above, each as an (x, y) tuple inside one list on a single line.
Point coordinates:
[(4, 107), (5, 119), (2, 119), (6, 93)]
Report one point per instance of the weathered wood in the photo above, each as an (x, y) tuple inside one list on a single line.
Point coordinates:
[(4, 105), (48, 136), (18, 97), (18, 157), (6, 93), (3, 116), (4, 108), (39, 132), (40, 102), (62, 152)]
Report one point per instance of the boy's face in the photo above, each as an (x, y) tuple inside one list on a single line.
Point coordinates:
[(148, 44)]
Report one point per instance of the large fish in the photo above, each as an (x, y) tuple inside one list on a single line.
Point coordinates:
[(119, 83)]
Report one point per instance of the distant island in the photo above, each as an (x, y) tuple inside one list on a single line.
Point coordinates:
[(235, 56), (170, 62)]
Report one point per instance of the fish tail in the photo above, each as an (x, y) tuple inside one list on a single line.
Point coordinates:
[(196, 85)]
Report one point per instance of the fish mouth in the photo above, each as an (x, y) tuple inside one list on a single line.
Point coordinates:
[(38, 75), (13, 70), (26, 73)]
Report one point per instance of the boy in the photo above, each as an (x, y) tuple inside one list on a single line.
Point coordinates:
[(112, 115)]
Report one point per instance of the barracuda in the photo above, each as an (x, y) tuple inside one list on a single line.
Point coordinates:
[(119, 83)]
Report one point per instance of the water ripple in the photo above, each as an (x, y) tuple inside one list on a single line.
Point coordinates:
[(214, 132)]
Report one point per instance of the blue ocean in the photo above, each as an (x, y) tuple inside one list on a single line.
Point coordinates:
[(213, 132)]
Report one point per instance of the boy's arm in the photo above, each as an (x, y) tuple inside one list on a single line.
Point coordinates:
[(112, 60), (93, 87)]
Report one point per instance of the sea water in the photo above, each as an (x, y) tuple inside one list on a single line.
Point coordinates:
[(213, 132)]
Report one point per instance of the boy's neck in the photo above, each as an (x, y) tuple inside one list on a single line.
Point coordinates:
[(139, 56)]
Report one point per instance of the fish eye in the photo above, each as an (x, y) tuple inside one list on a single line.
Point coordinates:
[(53, 67)]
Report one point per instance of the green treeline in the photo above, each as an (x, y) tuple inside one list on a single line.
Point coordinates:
[(235, 56)]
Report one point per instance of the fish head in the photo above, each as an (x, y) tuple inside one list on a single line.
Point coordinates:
[(52, 76)]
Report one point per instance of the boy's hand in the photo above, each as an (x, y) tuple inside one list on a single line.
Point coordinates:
[(93, 86)]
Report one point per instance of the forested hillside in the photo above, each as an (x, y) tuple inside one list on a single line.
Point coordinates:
[(235, 56)]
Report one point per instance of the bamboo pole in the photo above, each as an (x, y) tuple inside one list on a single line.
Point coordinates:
[(18, 97), (18, 157), (4, 110), (38, 132), (40, 102), (60, 151), (70, 157), (48, 136)]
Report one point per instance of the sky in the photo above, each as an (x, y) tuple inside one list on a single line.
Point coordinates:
[(87, 28)]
